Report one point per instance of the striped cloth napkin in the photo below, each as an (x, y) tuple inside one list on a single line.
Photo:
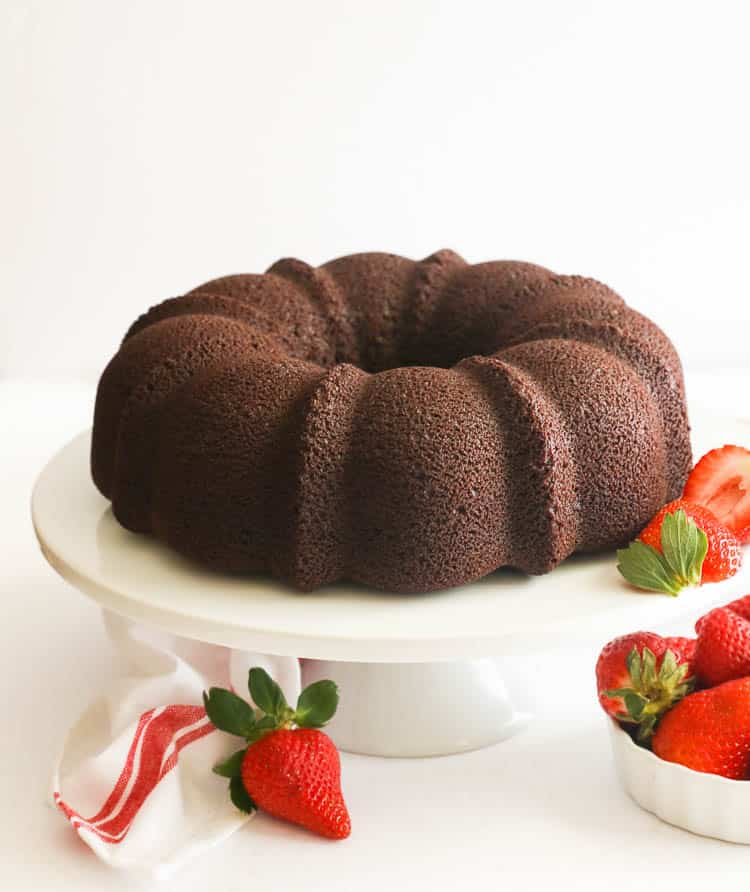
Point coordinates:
[(134, 777)]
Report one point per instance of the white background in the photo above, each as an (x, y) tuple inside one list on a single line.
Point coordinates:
[(147, 146)]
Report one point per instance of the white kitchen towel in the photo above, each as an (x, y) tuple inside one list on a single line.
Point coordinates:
[(134, 777)]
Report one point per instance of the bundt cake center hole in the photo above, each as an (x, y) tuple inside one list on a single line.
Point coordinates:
[(371, 359)]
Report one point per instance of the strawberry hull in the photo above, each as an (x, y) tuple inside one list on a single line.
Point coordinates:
[(706, 804)]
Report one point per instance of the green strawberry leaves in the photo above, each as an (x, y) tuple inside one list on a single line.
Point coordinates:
[(240, 797), (635, 704), (652, 692), (684, 548), (231, 767), (263, 725), (643, 567), (266, 694), (316, 705), (228, 712), (634, 662)]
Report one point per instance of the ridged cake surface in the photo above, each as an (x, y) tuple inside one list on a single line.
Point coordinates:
[(408, 425)]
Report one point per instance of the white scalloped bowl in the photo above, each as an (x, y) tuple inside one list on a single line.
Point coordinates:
[(705, 804)]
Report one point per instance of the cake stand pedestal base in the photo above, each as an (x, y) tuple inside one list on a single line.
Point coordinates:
[(419, 709)]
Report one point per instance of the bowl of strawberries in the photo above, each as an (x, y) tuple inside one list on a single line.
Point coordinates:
[(679, 708), (679, 723)]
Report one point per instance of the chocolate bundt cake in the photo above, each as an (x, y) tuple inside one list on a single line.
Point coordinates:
[(408, 425)]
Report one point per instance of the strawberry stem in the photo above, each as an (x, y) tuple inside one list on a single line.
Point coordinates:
[(651, 692)]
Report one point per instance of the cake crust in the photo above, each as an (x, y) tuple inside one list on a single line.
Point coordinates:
[(408, 425)]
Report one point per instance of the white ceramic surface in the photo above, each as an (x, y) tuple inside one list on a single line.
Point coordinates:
[(505, 613), (705, 804), (419, 709)]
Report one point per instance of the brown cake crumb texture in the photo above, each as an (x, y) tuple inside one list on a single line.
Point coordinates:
[(407, 425)]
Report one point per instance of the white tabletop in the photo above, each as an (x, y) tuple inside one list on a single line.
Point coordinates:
[(542, 810)]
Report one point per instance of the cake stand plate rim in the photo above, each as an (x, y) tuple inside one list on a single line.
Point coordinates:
[(581, 601)]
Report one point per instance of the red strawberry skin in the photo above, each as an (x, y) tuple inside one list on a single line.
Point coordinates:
[(709, 731), (721, 482), (683, 648), (723, 649), (296, 775), (611, 667), (740, 606), (724, 556)]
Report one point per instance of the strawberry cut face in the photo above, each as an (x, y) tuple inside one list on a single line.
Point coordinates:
[(721, 482), (731, 501)]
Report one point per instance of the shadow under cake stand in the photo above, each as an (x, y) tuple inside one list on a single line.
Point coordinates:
[(420, 675)]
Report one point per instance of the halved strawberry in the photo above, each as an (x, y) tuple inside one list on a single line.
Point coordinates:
[(721, 482)]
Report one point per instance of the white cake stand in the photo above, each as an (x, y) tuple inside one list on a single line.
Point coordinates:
[(419, 675)]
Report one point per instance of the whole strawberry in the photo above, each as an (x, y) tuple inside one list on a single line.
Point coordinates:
[(709, 731), (740, 606), (294, 775), (723, 647), (721, 482), (289, 768), (642, 675), (651, 533), (683, 545), (723, 554)]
